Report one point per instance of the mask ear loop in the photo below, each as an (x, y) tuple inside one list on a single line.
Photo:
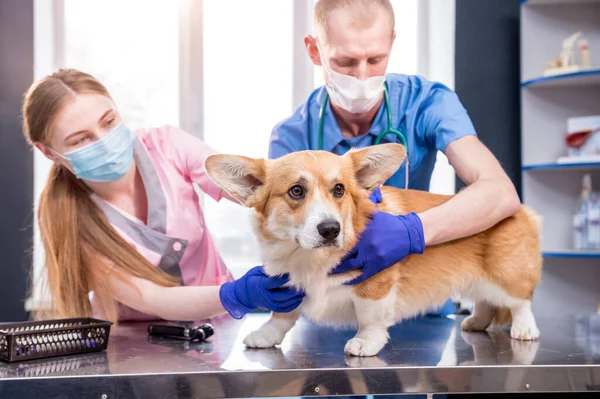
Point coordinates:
[(321, 56), (66, 164)]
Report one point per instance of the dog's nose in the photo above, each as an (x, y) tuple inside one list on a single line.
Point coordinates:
[(329, 229)]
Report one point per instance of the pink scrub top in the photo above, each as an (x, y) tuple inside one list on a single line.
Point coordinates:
[(176, 237)]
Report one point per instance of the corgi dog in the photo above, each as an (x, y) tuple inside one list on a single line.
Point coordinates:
[(309, 209)]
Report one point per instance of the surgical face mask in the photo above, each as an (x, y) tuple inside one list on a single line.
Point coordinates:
[(352, 94), (106, 160)]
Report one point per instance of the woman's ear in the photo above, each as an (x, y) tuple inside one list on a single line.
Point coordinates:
[(46, 151), (52, 156)]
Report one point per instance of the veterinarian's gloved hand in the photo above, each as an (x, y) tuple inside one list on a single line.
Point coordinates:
[(375, 196), (256, 290), (386, 240)]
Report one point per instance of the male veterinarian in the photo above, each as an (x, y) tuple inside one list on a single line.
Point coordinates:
[(360, 101)]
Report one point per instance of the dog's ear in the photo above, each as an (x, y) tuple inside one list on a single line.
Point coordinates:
[(375, 164), (239, 176)]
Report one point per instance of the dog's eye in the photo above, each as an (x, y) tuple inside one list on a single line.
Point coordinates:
[(296, 192), (338, 190)]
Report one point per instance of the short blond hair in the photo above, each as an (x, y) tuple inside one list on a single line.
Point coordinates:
[(365, 10)]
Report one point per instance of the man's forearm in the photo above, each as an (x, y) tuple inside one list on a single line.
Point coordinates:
[(474, 209)]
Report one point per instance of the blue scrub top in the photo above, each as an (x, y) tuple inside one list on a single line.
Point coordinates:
[(429, 114)]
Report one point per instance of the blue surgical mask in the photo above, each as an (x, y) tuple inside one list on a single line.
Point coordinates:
[(106, 160)]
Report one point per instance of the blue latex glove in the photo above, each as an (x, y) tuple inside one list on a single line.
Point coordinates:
[(256, 290), (375, 196), (386, 240)]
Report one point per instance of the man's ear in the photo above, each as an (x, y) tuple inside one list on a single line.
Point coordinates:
[(375, 164), (239, 176), (312, 50)]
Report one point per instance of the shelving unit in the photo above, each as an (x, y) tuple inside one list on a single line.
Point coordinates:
[(550, 187), (571, 277)]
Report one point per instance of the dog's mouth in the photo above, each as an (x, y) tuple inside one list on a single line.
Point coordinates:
[(328, 243), (321, 244)]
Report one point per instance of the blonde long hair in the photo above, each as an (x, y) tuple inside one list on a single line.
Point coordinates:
[(75, 234)]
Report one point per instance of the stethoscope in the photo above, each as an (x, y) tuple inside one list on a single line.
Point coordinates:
[(380, 136)]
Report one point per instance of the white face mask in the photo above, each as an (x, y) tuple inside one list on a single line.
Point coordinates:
[(352, 94)]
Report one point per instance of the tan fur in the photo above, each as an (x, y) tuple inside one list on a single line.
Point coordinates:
[(505, 259), (508, 254)]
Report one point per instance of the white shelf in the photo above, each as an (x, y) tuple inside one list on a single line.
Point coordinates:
[(544, 115), (583, 78), (549, 167), (543, 30)]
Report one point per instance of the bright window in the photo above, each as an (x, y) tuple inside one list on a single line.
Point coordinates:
[(133, 48), (247, 91)]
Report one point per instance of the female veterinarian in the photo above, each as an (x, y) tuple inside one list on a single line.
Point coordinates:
[(360, 106), (120, 218)]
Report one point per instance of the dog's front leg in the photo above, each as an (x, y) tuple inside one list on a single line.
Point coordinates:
[(273, 331), (374, 318)]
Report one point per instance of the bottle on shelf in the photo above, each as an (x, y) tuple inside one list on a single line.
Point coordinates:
[(579, 235), (581, 215), (593, 233), (584, 54)]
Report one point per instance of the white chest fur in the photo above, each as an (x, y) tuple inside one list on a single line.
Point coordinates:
[(332, 306), (327, 300)]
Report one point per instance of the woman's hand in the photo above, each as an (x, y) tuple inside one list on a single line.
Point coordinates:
[(256, 290)]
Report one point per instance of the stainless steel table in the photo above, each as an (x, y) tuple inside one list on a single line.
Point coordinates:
[(429, 355)]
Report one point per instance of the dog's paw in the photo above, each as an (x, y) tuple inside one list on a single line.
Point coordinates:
[(265, 337), (363, 347), (525, 332), (472, 323)]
